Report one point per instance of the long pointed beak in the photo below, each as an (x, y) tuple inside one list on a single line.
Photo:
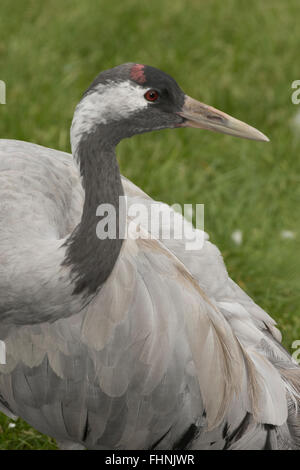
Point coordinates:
[(197, 114)]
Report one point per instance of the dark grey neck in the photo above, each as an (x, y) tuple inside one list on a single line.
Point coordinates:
[(92, 259)]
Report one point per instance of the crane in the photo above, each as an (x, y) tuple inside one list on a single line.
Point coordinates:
[(136, 342)]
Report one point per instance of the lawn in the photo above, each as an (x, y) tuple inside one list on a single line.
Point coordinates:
[(236, 55)]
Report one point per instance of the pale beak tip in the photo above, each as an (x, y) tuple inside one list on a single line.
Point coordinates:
[(263, 138)]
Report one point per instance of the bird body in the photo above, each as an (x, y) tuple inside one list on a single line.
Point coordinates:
[(135, 343)]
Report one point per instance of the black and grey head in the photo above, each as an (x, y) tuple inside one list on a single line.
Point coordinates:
[(126, 100), (169, 99)]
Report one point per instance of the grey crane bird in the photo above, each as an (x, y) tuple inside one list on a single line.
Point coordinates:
[(135, 343)]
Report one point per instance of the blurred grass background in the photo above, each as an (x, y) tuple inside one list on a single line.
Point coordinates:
[(238, 56)]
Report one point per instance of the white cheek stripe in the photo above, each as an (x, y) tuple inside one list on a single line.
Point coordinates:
[(108, 102)]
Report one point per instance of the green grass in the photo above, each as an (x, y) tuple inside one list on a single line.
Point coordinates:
[(237, 55)]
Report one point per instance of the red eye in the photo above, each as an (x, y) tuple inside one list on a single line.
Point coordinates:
[(151, 95)]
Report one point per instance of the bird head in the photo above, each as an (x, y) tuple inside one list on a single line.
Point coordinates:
[(133, 98)]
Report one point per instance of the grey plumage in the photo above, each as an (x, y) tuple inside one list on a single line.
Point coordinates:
[(167, 353)]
